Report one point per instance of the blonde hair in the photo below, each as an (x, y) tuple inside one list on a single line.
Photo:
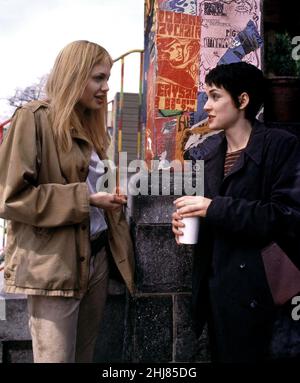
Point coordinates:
[(64, 88)]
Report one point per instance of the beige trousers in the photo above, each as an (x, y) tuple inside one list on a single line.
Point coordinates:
[(65, 330)]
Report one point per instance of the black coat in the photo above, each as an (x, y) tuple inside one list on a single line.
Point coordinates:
[(256, 203)]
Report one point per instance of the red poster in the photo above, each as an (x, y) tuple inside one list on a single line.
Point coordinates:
[(178, 56)]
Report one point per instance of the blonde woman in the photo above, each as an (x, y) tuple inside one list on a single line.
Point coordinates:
[(61, 230)]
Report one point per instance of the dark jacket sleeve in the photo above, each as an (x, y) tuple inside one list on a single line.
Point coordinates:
[(265, 219)]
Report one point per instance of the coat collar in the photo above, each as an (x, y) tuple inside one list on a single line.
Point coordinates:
[(255, 146), (214, 168), (76, 136), (253, 149), (214, 161)]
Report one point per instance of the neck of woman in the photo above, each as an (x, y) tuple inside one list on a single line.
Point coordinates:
[(238, 136)]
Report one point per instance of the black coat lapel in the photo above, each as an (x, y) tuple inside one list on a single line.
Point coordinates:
[(214, 170)]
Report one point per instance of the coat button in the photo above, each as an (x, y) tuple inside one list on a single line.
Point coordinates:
[(242, 265), (253, 304), (7, 275), (83, 226), (81, 259)]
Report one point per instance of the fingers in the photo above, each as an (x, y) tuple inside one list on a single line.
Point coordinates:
[(176, 220), (177, 240), (119, 199), (195, 213), (176, 232), (108, 201), (186, 201), (188, 211), (176, 216), (191, 206), (177, 224), (183, 199)]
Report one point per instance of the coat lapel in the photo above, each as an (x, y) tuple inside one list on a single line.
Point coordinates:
[(254, 150), (74, 164), (214, 162), (214, 170)]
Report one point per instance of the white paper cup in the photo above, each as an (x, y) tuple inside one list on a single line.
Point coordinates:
[(190, 230)]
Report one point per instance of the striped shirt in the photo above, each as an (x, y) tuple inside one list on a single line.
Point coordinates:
[(230, 160)]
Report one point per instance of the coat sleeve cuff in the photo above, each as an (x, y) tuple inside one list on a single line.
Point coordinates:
[(85, 198), (216, 212)]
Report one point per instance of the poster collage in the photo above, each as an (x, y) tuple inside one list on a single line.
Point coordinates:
[(184, 39)]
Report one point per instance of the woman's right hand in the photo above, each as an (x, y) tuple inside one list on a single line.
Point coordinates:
[(107, 201), (176, 225)]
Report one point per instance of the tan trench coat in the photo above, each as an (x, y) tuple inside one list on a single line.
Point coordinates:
[(44, 195)]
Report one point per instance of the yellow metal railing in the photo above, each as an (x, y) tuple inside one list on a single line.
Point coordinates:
[(121, 101), (120, 108)]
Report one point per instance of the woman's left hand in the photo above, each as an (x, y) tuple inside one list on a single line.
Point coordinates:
[(192, 206)]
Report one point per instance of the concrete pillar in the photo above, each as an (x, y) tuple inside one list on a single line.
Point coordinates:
[(159, 326)]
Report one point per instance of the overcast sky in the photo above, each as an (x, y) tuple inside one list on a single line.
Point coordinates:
[(32, 32)]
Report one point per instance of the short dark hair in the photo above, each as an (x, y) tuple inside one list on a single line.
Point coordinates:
[(237, 78)]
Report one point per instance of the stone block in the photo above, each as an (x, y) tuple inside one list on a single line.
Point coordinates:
[(152, 329), (15, 327), (17, 352), (151, 209), (161, 265)]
